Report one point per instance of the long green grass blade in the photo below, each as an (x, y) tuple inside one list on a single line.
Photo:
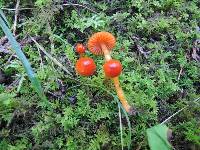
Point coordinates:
[(16, 47), (127, 119), (121, 127), (4, 17)]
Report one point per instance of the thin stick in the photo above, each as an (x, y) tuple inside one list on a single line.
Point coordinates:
[(166, 120), (16, 16), (41, 60), (79, 5), (65, 43), (19, 9), (180, 72), (50, 57)]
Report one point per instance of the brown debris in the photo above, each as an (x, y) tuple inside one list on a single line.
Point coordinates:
[(196, 51), (140, 48)]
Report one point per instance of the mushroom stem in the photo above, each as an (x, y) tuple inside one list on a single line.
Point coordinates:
[(106, 52), (81, 55), (121, 96)]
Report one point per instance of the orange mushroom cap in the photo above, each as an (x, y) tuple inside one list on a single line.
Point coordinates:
[(85, 66), (112, 68), (80, 48), (99, 38)]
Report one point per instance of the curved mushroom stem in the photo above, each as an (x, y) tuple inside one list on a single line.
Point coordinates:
[(119, 90), (106, 52), (122, 98)]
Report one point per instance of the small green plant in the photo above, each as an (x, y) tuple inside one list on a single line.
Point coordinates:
[(8, 105)]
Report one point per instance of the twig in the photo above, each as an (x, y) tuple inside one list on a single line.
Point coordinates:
[(180, 73), (20, 83), (65, 43), (16, 16), (6, 48), (166, 120), (41, 59), (22, 9), (28, 40), (14, 9), (80, 5), (50, 57)]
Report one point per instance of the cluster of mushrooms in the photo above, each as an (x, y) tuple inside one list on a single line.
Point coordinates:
[(101, 43)]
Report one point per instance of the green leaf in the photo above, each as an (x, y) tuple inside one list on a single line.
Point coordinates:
[(16, 47), (157, 137), (4, 17)]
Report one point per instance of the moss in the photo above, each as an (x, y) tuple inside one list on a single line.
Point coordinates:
[(155, 44)]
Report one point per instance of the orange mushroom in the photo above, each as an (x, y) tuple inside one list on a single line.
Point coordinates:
[(85, 66), (80, 49), (112, 68), (102, 43)]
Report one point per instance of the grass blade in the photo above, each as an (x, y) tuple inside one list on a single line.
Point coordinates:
[(123, 110), (16, 47), (127, 119), (121, 128), (4, 18)]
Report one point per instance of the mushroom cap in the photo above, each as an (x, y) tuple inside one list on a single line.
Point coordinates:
[(85, 66), (80, 48), (95, 41), (112, 68)]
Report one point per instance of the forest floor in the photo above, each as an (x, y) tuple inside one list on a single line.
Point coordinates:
[(158, 45)]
